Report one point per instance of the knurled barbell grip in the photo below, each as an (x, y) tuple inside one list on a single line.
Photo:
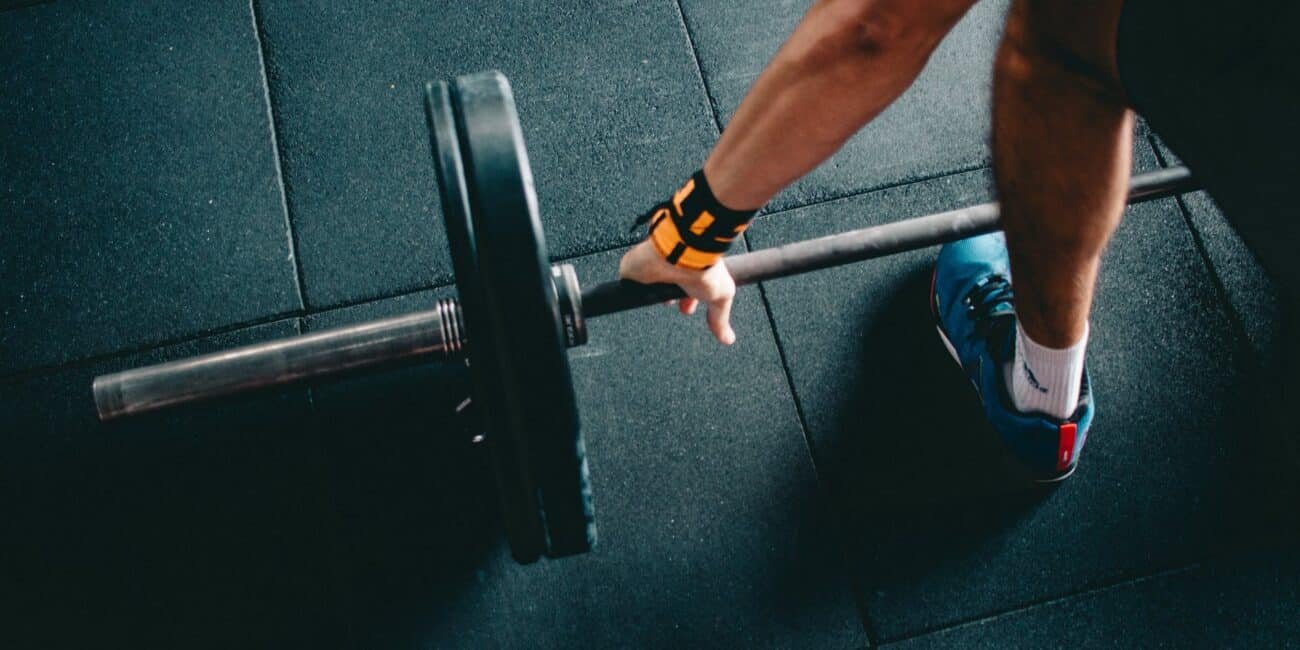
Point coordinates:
[(437, 334), (856, 246)]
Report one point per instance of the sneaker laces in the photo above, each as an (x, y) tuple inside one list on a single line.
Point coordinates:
[(991, 304)]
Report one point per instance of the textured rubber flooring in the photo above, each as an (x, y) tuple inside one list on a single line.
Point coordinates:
[(939, 532), (177, 178), (609, 96), (139, 185)]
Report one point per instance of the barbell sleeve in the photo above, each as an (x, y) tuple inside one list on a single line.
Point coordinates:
[(857, 245), (437, 333)]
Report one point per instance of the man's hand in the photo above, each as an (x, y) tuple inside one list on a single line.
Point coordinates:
[(713, 286)]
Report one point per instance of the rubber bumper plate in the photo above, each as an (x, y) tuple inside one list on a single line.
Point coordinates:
[(520, 367)]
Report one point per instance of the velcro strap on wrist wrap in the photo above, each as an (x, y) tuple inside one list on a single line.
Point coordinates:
[(693, 229)]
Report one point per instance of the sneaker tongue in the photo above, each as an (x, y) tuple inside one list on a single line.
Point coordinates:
[(1002, 334)]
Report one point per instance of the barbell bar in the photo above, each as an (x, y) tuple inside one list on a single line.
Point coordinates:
[(439, 334), (517, 314), (858, 245)]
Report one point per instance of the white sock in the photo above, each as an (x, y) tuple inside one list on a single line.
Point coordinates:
[(1045, 380)]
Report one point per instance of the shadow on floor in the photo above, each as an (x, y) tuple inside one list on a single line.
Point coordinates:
[(1264, 449), (911, 430), (924, 487), (920, 477), (415, 496), (200, 527)]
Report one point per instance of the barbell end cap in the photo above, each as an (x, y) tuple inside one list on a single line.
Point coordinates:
[(108, 397)]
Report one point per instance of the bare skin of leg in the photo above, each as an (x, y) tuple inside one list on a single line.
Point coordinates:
[(1062, 141), (845, 63)]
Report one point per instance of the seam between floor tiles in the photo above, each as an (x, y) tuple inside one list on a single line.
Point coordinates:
[(81, 362), (1047, 602), (1122, 578), (1216, 279), (965, 169), (699, 69), (764, 215), (273, 123), (1221, 290), (379, 297), (842, 539), (1099, 586), (25, 5)]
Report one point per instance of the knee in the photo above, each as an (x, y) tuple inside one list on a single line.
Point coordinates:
[(1027, 50), (1043, 45), (1020, 61)]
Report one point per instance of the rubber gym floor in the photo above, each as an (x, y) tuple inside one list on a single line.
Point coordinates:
[(178, 177)]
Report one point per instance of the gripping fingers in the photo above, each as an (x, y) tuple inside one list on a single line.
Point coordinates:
[(719, 318), (685, 305)]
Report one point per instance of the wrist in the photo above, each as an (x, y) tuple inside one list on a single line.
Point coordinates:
[(693, 229)]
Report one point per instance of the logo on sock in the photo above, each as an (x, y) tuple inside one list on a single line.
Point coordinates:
[(1033, 381)]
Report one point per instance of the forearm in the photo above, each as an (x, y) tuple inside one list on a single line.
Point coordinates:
[(845, 63)]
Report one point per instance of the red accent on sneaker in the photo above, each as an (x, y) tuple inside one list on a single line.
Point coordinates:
[(1065, 447)]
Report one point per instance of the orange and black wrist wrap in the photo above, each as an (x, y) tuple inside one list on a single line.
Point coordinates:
[(692, 229)]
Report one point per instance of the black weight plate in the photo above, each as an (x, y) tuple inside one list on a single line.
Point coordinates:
[(520, 303), (510, 460)]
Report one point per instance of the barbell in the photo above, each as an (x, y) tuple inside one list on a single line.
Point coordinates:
[(516, 315)]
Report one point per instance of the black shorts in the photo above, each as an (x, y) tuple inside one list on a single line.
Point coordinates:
[(1219, 81)]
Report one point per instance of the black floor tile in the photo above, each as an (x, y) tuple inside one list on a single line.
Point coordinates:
[(1245, 602), (942, 529), (138, 183), (205, 527), (938, 126), (609, 97), (860, 345), (1249, 289), (415, 495), (711, 524), (1251, 293)]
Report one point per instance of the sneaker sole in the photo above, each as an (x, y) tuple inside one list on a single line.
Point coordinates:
[(952, 351)]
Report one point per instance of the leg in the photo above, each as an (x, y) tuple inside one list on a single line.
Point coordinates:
[(1062, 137), (1062, 140)]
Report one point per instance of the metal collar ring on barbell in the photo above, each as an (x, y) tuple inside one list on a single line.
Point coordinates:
[(516, 315)]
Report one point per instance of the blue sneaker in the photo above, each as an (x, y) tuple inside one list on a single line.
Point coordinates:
[(974, 310)]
